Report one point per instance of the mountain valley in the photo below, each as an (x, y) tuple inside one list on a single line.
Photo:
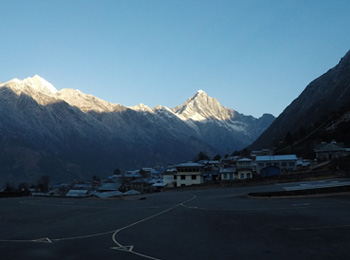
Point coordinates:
[(67, 134)]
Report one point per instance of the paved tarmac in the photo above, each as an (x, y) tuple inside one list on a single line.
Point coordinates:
[(190, 224)]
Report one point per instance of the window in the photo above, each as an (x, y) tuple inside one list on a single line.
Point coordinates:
[(291, 164), (194, 177), (248, 175), (242, 176), (225, 176), (183, 177), (284, 164)]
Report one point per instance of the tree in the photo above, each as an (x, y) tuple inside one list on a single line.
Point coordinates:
[(245, 153), (96, 179), (9, 188), (217, 157), (43, 183), (235, 153), (144, 173), (23, 186), (201, 157)]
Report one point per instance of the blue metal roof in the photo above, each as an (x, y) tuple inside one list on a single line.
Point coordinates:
[(287, 157)]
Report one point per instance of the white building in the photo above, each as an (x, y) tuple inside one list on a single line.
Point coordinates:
[(189, 174), (169, 177), (244, 169)]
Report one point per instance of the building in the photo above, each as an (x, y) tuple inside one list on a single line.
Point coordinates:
[(283, 162), (228, 173), (210, 170), (328, 151), (169, 177), (244, 169), (261, 152), (189, 174), (109, 186), (78, 193), (270, 171)]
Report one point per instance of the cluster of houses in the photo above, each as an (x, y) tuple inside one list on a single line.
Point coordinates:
[(261, 163), (110, 187)]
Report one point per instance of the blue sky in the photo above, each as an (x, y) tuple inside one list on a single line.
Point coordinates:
[(254, 56)]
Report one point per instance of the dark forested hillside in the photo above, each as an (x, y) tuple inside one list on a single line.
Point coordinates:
[(320, 113)]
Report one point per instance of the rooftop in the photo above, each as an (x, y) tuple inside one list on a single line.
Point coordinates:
[(189, 164), (287, 157)]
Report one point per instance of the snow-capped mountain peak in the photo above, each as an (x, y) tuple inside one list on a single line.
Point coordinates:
[(35, 87), (15, 80), (201, 107), (72, 130), (200, 94), (36, 84), (142, 107), (40, 85)]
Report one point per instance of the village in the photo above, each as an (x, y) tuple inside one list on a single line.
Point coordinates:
[(235, 169)]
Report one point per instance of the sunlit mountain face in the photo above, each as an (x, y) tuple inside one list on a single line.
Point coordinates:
[(68, 134)]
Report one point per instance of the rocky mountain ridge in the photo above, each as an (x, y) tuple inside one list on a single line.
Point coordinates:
[(68, 134)]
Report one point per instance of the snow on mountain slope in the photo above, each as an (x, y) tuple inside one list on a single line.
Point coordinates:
[(35, 83), (67, 129), (36, 87), (87, 103), (45, 93), (200, 113), (201, 107), (142, 108), (40, 85)]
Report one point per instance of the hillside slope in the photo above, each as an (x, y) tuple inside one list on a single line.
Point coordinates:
[(313, 109)]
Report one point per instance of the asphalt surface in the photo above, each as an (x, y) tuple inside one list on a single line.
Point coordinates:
[(191, 224)]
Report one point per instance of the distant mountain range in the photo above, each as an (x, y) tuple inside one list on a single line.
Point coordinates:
[(320, 113), (69, 135)]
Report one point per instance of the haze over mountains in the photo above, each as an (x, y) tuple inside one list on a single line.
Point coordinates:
[(67, 134)]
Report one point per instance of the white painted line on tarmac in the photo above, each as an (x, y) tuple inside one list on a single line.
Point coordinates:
[(43, 240), (88, 207), (83, 236), (48, 240), (130, 248), (123, 248), (16, 240), (315, 228), (316, 186), (40, 240), (301, 204)]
